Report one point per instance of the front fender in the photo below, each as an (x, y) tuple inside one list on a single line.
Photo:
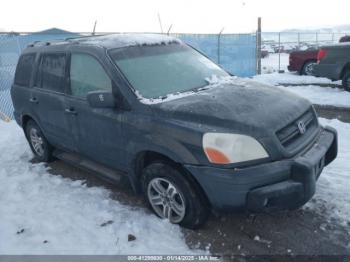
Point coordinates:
[(164, 145)]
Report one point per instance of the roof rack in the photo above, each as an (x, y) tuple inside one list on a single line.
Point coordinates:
[(59, 41), (83, 37), (46, 43)]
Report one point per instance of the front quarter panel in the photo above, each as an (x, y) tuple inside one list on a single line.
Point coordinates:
[(168, 137)]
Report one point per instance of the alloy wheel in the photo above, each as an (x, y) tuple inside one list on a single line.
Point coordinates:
[(166, 200), (309, 68), (37, 141)]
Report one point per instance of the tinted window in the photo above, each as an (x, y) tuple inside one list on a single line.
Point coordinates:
[(24, 69), (53, 72), (87, 74)]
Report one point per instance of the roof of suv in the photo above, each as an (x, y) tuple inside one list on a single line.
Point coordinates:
[(113, 40)]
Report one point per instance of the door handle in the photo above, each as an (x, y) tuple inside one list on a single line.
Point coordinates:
[(70, 111), (34, 100)]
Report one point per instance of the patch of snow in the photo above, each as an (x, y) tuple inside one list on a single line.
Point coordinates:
[(169, 97), (291, 78), (321, 95), (42, 213), (127, 39), (332, 198), (308, 87)]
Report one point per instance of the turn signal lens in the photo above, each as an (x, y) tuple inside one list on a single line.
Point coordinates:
[(216, 156)]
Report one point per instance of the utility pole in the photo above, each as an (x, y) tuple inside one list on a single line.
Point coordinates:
[(219, 45), (258, 49)]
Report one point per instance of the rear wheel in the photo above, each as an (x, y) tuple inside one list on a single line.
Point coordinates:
[(308, 68), (346, 81), (171, 196), (38, 143)]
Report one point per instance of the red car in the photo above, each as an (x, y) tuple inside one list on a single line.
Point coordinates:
[(303, 61)]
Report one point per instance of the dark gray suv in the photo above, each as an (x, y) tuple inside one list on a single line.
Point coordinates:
[(184, 132)]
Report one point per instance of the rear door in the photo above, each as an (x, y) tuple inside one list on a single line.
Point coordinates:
[(21, 89), (99, 129), (48, 98)]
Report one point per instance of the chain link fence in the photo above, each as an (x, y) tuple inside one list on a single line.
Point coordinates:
[(276, 46), (11, 46), (234, 52)]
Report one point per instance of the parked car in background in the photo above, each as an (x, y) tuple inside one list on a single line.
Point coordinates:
[(333, 62), (143, 107), (303, 61), (345, 38)]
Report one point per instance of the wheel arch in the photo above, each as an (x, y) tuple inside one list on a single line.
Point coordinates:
[(145, 158), (345, 69), (305, 62)]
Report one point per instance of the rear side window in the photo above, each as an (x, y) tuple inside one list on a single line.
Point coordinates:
[(87, 74), (52, 75), (24, 69)]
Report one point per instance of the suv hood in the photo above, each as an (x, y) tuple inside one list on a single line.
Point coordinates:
[(241, 106)]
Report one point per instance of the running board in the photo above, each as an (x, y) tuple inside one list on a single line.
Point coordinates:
[(89, 165)]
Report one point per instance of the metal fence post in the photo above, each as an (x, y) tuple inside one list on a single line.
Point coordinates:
[(258, 50), (279, 52)]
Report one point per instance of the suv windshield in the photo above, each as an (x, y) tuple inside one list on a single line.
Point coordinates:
[(158, 70)]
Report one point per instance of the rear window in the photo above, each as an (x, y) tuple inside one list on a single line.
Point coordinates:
[(24, 69), (52, 75)]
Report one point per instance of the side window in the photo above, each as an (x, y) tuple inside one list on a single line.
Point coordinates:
[(87, 74), (24, 69), (53, 72)]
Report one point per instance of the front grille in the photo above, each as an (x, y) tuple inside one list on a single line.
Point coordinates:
[(300, 127)]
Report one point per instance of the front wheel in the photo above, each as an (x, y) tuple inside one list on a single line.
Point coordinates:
[(346, 81), (38, 143), (171, 196)]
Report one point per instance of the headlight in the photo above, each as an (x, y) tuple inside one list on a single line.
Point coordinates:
[(222, 148)]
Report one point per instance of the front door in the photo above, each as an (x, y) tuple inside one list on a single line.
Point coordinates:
[(99, 130)]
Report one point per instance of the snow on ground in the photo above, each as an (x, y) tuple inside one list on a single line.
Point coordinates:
[(291, 78), (308, 87), (47, 214), (322, 95), (270, 63), (332, 198)]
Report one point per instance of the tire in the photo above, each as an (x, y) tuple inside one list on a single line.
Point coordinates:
[(40, 147), (308, 68), (346, 81), (173, 195)]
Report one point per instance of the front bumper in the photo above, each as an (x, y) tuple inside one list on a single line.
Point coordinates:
[(285, 184)]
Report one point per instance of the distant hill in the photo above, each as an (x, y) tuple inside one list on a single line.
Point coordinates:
[(333, 29)]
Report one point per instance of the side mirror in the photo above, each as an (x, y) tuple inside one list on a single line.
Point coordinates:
[(101, 99)]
